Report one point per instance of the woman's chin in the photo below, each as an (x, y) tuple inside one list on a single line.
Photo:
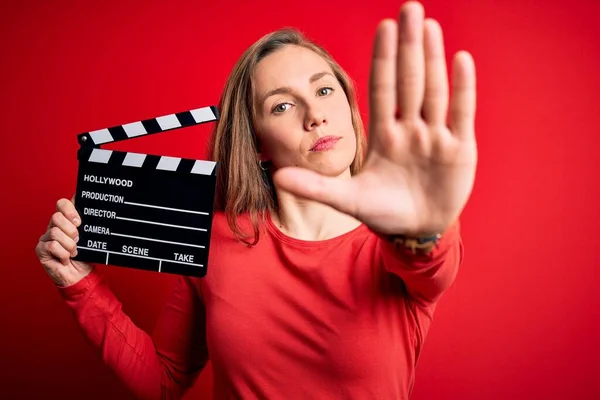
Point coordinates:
[(333, 169)]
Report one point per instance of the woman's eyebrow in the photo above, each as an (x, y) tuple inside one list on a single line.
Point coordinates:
[(287, 89)]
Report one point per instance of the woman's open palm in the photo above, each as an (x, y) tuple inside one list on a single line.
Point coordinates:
[(420, 169)]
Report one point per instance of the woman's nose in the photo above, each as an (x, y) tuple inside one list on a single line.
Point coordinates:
[(315, 117)]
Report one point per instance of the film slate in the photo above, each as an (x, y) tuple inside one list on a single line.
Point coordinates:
[(145, 211)]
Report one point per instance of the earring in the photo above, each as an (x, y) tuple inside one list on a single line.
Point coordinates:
[(260, 165)]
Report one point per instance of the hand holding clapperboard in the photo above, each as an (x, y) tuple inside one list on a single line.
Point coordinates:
[(144, 211)]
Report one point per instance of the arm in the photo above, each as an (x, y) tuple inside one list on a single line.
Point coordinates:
[(426, 276), (160, 366)]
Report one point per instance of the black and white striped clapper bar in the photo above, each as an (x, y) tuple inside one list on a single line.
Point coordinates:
[(145, 211)]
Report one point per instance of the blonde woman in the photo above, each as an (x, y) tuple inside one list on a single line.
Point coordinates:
[(328, 256)]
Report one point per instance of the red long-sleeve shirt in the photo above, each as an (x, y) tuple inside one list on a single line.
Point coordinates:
[(343, 318)]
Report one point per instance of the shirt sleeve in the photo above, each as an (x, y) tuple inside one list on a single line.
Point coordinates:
[(158, 366), (426, 276)]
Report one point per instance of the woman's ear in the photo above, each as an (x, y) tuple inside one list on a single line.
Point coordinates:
[(262, 157)]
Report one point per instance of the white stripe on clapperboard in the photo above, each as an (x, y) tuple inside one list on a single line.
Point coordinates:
[(165, 208), (166, 163), (170, 121), (161, 223)]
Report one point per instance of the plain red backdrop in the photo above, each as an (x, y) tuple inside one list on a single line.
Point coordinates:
[(522, 320)]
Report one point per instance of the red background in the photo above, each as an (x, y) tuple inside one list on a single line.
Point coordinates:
[(522, 320)]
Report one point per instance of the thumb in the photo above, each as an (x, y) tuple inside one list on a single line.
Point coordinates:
[(337, 193)]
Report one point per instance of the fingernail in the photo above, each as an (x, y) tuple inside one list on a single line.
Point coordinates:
[(77, 239), (76, 221), (75, 253)]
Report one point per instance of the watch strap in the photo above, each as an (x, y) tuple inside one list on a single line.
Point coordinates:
[(422, 244)]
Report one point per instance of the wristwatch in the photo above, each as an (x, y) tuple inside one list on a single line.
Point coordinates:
[(424, 244)]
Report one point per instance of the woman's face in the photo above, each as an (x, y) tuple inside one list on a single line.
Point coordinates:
[(298, 101)]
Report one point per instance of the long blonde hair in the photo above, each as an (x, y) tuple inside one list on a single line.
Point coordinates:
[(243, 187)]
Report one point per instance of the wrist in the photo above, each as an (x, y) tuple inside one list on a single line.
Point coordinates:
[(70, 278), (417, 244)]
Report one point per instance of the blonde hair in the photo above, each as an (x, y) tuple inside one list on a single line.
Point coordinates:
[(243, 187)]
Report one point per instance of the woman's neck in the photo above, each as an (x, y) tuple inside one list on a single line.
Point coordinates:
[(308, 220)]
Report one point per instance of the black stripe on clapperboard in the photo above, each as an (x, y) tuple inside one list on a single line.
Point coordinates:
[(147, 161), (149, 126)]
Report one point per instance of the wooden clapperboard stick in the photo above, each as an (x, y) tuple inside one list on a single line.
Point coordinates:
[(145, 211)]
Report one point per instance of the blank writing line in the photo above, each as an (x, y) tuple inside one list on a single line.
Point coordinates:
[(165, 208), (156, 240), (163, 224), (134, 255)]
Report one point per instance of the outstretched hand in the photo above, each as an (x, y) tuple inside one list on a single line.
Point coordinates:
[(419, 170)]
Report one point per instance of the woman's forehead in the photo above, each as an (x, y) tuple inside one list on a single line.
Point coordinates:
[(289, 66)]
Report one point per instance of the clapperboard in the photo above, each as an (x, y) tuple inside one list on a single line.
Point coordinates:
[(145, 211)]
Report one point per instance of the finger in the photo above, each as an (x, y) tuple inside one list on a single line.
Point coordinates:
[(55, 234), (462, 104), (55, 250), (411, 61), (68, 209), (335, 192), (382, 93), (435, 102), (60, 221)]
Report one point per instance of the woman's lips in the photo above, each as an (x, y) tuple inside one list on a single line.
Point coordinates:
[(325, 143)]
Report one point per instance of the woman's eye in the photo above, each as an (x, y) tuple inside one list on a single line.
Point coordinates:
[(279, 108), (325, 91)]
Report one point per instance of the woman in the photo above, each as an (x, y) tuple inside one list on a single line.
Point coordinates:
[(319, 287)]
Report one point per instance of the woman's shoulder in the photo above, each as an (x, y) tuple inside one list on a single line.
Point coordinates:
[(222, 225)]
